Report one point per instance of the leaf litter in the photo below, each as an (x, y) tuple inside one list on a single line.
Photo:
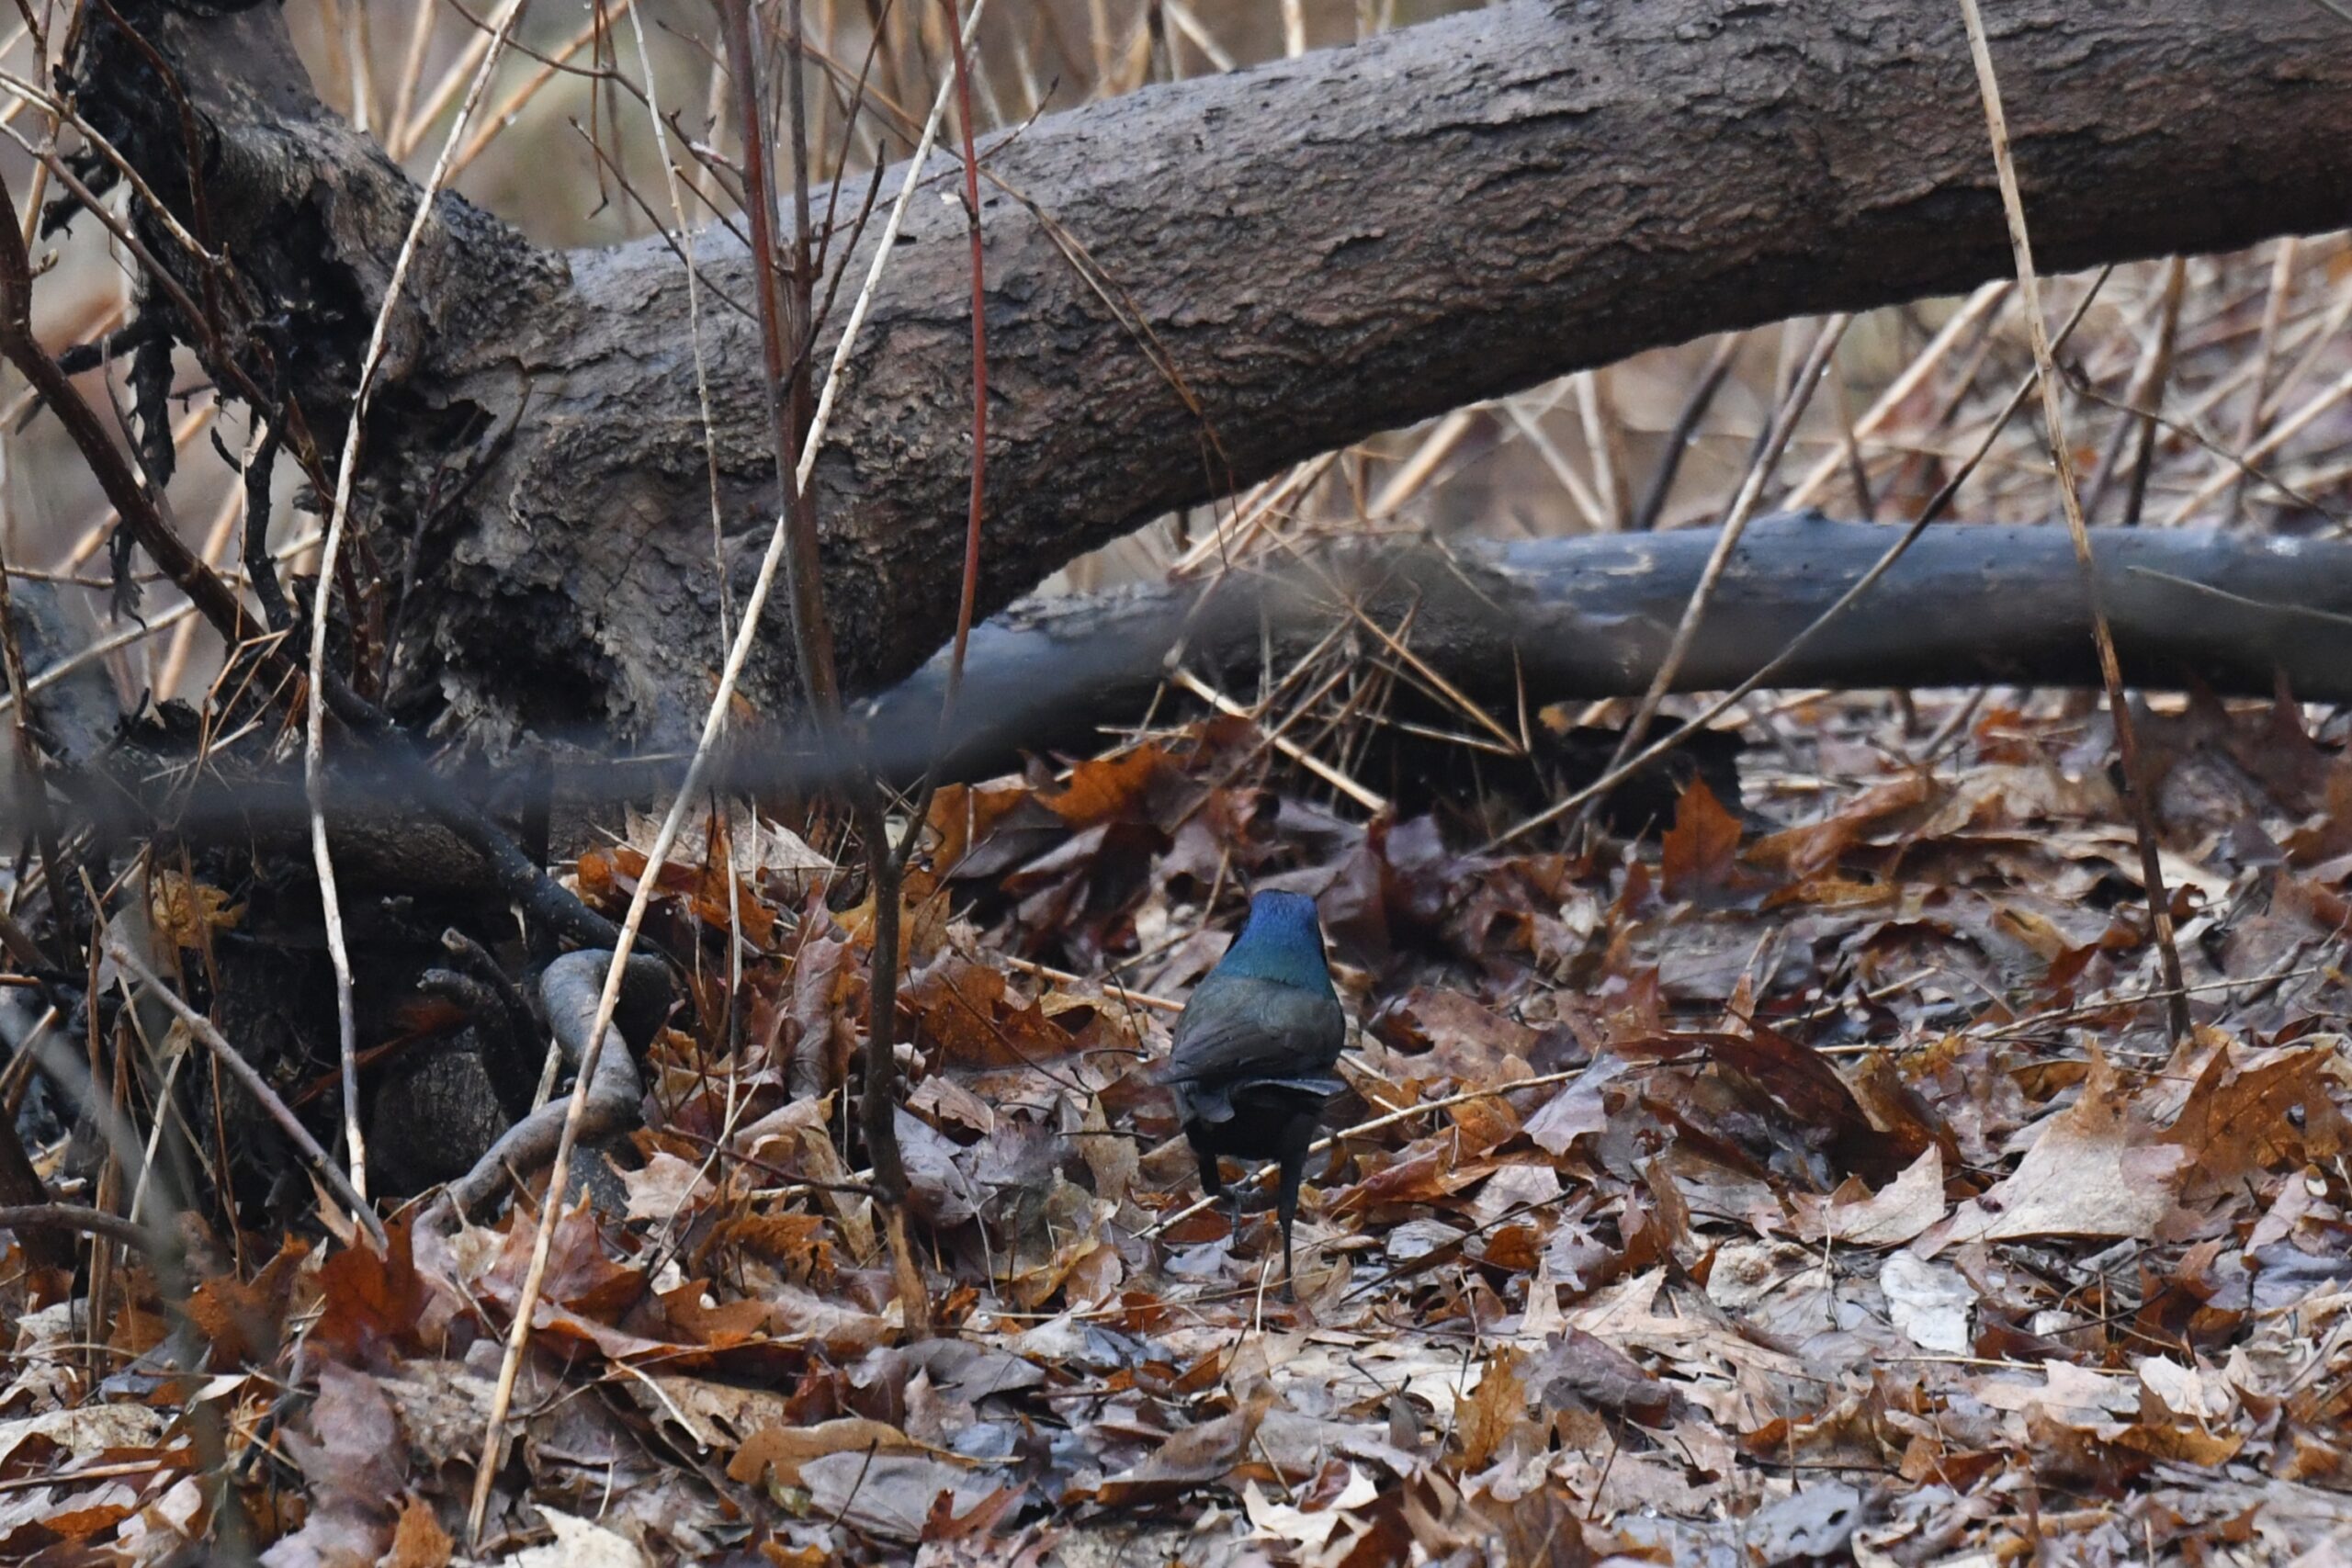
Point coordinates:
[(1809, 1179)]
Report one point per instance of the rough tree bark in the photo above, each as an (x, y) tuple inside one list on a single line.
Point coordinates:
[(1300, 254)]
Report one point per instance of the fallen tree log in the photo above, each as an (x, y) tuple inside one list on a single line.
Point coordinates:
[(1535, 622), (1552, 620), (1316, 250)]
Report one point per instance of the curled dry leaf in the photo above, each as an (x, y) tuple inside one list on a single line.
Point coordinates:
[(1195, 1457), (2096, 1168), (580, 1544), (783, 1449), (1896, 1213)]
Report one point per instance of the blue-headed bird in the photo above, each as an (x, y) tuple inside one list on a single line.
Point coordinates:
[(1254, 1049)]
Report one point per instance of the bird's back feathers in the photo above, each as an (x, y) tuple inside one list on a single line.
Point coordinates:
[(1254, 1048), (1237, 1026)]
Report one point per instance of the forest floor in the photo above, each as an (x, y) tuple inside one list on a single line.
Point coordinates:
[(1811, 1177), (1804, 1168)]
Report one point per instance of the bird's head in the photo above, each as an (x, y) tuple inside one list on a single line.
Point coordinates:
[(1282, 941)]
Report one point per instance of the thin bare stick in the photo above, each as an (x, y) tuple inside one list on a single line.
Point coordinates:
[(887, 863), (2278, 435), (2256, 472), (1742, 508), (714, 725), (357, 49), (1901, 388), (2265, 346), (2053, 417), (1443, 688), (511, 107), (1686, 426), (26, 93), (74, 1217), (1612, 777), (250, 1080), (412, 68), (401, 140), (132, 504), (1588, 502), (2145, 391), (315, 712), (1604, 443), (1369, 799), (694, 325), (166, 680), (2317, 338), (157, 624)]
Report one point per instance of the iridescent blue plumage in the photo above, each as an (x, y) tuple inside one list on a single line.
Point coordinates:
[(1282, 941), (1254, 1048)]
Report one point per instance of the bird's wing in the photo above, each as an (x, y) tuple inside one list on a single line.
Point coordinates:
[(1240, 1027), (1322, 1087)]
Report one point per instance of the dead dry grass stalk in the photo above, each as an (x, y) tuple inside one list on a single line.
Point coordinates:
[(714, 727), (2137, 781)]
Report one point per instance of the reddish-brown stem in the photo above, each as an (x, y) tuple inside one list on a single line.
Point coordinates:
[(783, 301), (968, 592), (886, 862), (786, 321)]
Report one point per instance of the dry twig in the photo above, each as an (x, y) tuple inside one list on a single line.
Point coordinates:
[(2136, 779)]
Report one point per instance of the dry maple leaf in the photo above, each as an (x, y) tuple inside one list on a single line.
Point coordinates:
[(2095, 1169)]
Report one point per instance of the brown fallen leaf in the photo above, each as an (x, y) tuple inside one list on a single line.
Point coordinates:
[(369, 1303), (1802, 1080), (1106, 788), (895, 1497), (1578, 1108), (1801, 853), (418, 1540), (1198, 1456), (1576, 1366), (1307, 1528), (1889, 1217), (1485, 1419), (785, 1448), (2254, 1112), (350, 1448), (1697, 858), (2097, 1169)]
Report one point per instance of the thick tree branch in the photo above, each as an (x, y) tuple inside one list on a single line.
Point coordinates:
[(1573, 619), (1194, 285), (1539, 622)]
